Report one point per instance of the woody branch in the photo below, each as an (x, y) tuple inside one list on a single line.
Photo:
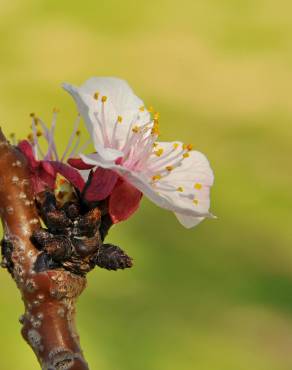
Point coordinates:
[(49, 296)]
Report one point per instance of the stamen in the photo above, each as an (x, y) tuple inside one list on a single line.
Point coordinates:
[(150, 109), (180, 189), (120, 119), (195, 201), (198, 186), (188, 147), (175, 145), (156, 177), (169, 168), (104, 99), (136, 129), (159, 152), (155, 145), (96, 95), (142, 109), (72, 137), (39, 133), (13, 138), (186, 155)]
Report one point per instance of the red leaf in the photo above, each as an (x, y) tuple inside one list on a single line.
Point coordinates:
[(101, 184), (79, 164), (25, 147), (69, 173), (124, 201)]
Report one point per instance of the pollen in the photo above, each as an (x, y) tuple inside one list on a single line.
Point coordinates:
[(39, 133), (142, 109), (30, 137), (196, 202), (78, 133), (198, 186), (12, 135), (186, 155), (175, 145), (156, 177), (96, 95), (32, 115), (159, 152), (154, 145), (104, 99), (56, 110), (136, 129), (150, 109), (156, 115), (180, 189), (187, 147), (120, 119), (169, 168), (155, 128)]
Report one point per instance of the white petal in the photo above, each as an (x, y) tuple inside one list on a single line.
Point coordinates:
[(102, 119), (188, 221), (103, 157)]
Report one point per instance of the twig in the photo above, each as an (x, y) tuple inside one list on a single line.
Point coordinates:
[(50, 296)]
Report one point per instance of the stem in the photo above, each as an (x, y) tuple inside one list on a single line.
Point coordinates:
[(49, 297)]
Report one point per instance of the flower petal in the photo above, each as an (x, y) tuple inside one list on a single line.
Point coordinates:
[(188, 221), (109, 122), (164, 193), (101, 184), (124, 201), (69, 173), (107, 156)]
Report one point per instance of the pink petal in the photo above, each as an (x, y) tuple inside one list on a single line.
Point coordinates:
[(79, 164), (124, 201), (101, 184), (25, 147), (69, 173)]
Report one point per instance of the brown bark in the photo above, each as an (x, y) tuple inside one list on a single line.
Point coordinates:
[(49, 297)]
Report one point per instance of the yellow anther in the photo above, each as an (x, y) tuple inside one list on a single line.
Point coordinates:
[(96, 95), (136, 129), (39, 133), (180, 189), (12, 135), (30, 137), (198, 186), (169, 168), (78, 133), (196, 202), (155, 128), (156, 115), (104, 99), (154, 145), (56, 110), (32, 115), (175, 145), (142, 109), (156, 177), (120, 119), (159, 152), (150, 109), (187, 147), (186, 155)]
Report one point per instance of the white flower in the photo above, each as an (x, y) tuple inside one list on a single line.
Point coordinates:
[(125, 136)]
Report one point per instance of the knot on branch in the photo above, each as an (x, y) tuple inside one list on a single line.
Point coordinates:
[(73, 238)]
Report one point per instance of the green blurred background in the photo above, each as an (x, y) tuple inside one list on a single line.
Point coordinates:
[(217, 297)]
